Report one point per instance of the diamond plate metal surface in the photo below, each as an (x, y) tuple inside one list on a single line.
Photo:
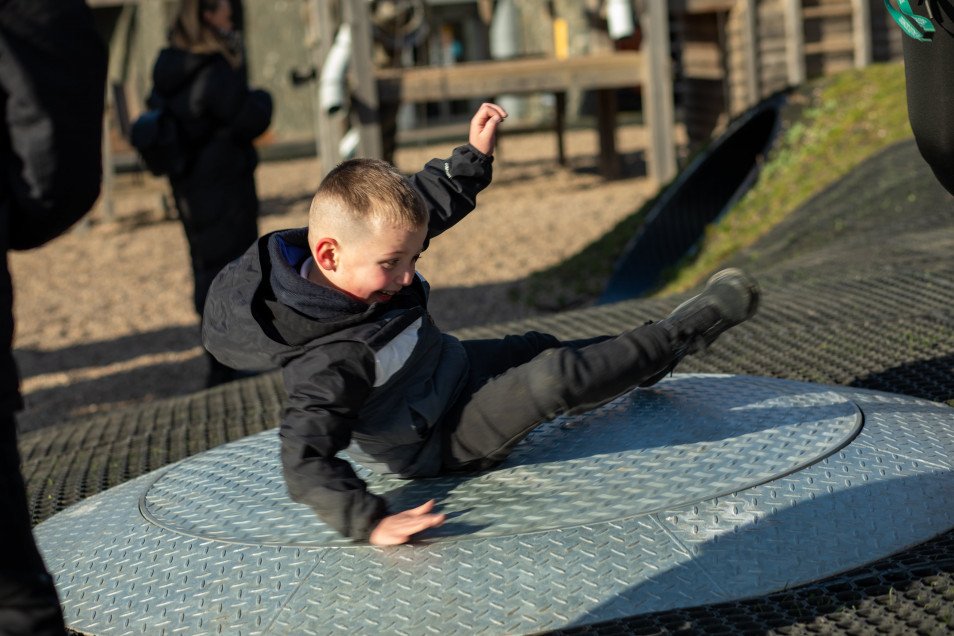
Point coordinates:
[(705, 489), (684, 442)]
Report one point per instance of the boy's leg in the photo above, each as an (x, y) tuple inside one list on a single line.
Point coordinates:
[(500, 411), (492, 357), (497, 413)]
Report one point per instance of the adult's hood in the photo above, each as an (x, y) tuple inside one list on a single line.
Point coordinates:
[(176, 67)]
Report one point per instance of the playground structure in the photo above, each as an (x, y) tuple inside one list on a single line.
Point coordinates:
[(731, 54), (697, 62), (371, 88)]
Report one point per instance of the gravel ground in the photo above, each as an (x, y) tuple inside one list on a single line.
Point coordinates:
[(104, 313)]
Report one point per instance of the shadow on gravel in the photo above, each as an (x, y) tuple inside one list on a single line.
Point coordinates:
[(82, 379), (168, 340)]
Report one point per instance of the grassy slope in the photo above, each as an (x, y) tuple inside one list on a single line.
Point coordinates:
[(830, 126)]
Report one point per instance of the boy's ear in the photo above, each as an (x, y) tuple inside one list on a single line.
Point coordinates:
[(326, 254)]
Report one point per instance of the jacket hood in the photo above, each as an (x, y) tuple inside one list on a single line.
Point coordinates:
[(260, 312), (287, 252)]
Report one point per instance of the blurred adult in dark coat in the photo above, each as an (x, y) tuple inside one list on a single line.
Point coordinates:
[(52, 85), (201, 77)]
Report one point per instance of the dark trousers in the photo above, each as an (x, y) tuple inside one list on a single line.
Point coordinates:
[(929, 77), (220, 223), (519, 382), (29, 605)]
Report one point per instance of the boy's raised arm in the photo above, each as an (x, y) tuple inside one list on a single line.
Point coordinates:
[(483, 127), (449, 187)]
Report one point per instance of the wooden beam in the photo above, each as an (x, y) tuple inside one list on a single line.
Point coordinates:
[(702, 60), (700, 6), (826, 11), (488, 79), (831, 44), (99, 4)]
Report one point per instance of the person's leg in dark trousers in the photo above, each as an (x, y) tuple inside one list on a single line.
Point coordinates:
[(520, 382), (220, 223), (929, 78), (29, 605)]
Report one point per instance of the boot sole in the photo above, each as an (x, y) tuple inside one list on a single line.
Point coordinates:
[(744, 283)]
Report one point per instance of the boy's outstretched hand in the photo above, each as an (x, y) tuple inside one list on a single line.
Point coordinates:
[(397, 529), (483, 127)]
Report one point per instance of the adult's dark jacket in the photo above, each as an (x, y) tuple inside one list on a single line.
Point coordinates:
[(376, 380), (52, 83), (220, 116)]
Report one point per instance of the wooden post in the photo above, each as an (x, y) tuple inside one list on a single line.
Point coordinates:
[(657, 91), (861, 26), (750, 34), (327, 126), (364, 96), (795, 38), (118, 59), (606, 115), (560, 125), (109, 167)]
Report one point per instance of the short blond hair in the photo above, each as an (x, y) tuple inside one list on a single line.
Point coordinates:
[(364, 193)]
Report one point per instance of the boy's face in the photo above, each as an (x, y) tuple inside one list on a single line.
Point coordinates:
[(376, 267)]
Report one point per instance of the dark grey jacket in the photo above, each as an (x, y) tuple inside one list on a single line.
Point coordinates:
[(375, 380), (52, 84), (219, 116)]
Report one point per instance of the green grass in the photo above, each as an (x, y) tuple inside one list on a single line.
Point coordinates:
[(829, 126)]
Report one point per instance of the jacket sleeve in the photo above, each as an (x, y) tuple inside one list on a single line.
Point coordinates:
[(326, 389), (450, 186), (52, 88), (246, 113)]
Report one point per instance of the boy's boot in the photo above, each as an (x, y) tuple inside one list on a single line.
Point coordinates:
[(729, 298)]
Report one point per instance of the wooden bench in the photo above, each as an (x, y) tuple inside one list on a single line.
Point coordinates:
[(488, 80)]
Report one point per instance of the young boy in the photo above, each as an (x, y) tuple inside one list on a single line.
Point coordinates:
[(341, 309)]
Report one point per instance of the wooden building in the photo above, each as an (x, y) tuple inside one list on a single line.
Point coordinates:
[(730, 54)]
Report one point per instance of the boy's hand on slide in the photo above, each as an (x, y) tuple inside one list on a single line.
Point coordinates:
[(483, 127), (397, 529)]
